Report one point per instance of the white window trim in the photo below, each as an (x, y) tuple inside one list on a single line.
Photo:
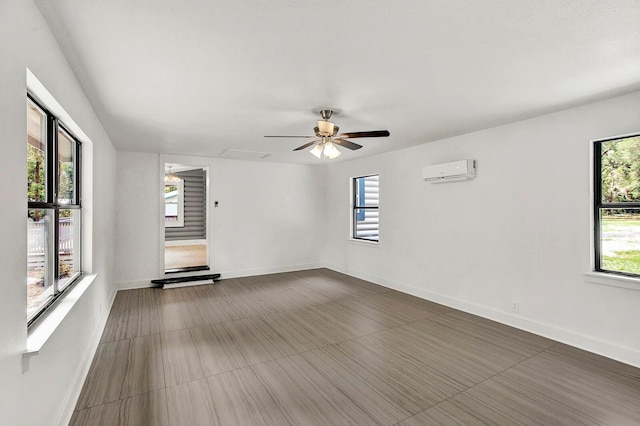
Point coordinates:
[(608, 278), (53, 316), (361, 241), (613, 280), (41, 331)]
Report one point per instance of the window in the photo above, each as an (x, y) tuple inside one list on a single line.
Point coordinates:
[(54, 209), (174, 203), (365, 208), (617, 205)]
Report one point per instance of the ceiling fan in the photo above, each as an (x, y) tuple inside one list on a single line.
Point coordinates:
[(327, 132)]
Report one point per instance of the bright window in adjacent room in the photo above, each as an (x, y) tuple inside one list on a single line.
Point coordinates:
[(174, 203), (54, 209), (365, 205), (617, 205)]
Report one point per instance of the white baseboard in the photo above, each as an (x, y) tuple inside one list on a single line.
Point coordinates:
[(239, 273), (64, 416), (265, 271), (131, 285), (569, 337)]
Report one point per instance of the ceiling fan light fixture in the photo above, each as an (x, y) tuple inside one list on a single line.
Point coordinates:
[(325, 151), (327, 133), (317, 150), (170, 177), (325, 128), (330, 151)]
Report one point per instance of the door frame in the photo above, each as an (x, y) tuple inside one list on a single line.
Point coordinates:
[(194, 162)]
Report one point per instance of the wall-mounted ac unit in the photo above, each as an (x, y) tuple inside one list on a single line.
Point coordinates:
[(450, 172)]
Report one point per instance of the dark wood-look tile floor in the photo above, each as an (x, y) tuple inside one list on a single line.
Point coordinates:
[(321, 348)]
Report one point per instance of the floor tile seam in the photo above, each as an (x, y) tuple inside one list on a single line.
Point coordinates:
[(244, 367), (550, 349), (164, 373), (264, 383), (389, 329), (276, 311), (131, 356), (309, 287), (332, 300), (310, 283), (166, 402), (474, 386), (568, 358), (524, 393), (404, 324), (328, 379), (322, 374), (343, 304), (181, 329), (122, 398), (286, 341), (249, 366), (261, 315), (222, 322), (302, 352), (490, 342), (553, 342), (201, 356), (385, 329), (127, 368), (354, 338), (395, 326)]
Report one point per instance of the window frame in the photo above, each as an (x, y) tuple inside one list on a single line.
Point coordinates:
[(599, 205), (53, 126), (355, 207)]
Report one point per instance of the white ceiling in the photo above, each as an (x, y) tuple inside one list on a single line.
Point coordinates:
[(198, 77)]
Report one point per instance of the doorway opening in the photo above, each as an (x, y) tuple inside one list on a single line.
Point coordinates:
[(186, 245)]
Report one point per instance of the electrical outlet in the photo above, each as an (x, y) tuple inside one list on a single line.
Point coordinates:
[(515, 307)]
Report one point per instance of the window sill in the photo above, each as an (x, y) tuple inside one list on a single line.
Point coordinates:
[(603, 278), (40, 332), (365, 242)]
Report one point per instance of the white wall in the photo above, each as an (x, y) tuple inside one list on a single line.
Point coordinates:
[(269, 217), (44, 394), (519, 232), (137, 216)]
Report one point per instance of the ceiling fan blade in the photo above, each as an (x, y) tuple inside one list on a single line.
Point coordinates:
[(306, 137), (306, 145), (371, 134), (347, 144)]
